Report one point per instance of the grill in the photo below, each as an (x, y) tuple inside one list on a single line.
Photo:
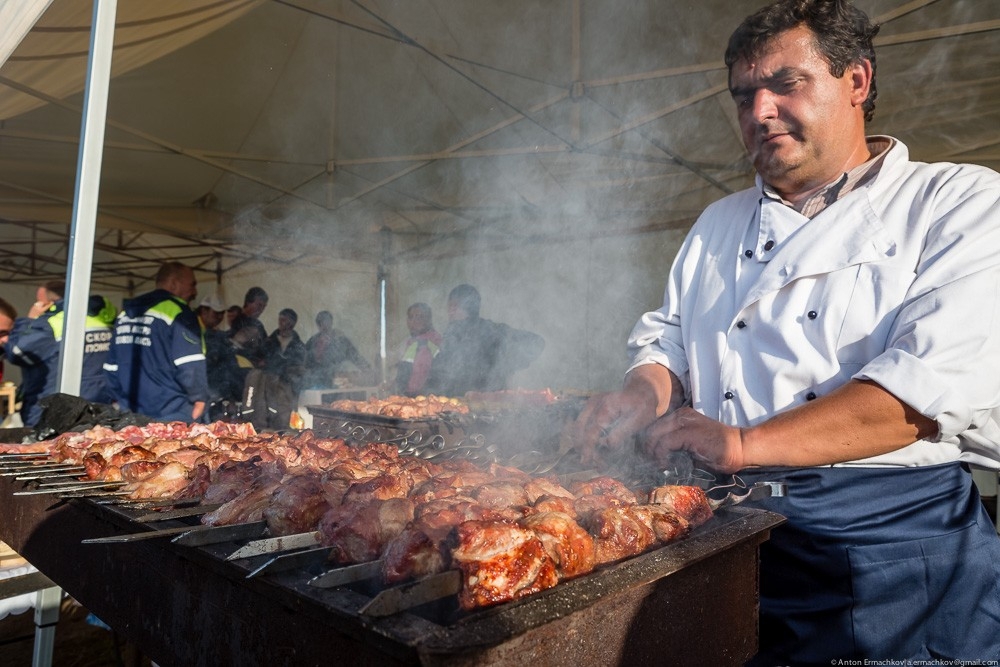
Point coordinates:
[(693, 601), (540, 425), (517, 435)]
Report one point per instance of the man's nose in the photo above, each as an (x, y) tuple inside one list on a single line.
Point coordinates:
[(764, 106)]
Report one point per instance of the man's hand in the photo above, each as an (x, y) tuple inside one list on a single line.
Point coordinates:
[(198, 410), (38, 309), (706, 440), (611, 421)]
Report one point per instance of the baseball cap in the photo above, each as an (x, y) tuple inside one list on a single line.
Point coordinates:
[(213, 302)]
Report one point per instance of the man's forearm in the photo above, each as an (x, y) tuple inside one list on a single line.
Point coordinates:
[(659, 383), (856, 421)]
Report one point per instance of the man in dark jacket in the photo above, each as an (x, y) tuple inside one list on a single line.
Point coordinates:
[(156, 366), (271, 392), (225, 378), (327, 351), (35, 342), (246, 331), (477, 354)]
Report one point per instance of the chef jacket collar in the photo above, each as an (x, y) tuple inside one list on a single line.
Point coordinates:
[(841, 186)]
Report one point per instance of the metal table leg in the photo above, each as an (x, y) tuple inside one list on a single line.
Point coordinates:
[(46, 617)]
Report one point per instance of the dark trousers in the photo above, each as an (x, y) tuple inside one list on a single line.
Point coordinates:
[(268, 401)]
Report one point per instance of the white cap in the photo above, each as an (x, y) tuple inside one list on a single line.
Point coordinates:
[(213, 302)]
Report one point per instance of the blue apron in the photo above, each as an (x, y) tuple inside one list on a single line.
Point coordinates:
[(878, 564)]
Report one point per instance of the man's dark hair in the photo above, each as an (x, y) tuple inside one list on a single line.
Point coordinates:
[(843, 35), (420, 307), (467, 298), (98, 305), (8, 309), (253, 294), (290, 314), (57, 287)]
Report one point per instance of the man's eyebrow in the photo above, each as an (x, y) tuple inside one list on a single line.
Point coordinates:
[(784, 72), (740, 91)]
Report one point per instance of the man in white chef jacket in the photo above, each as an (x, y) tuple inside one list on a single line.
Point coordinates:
[(836, 327)]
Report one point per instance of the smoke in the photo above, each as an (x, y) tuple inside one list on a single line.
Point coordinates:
[(552, 159), (551, 154)]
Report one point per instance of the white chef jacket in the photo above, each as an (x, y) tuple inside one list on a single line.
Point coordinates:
[(897, 283)]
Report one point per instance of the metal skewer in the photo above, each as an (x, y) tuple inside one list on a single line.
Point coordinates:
[(77, 474), (11, 470), (137, 537), (206, 535), (415, 593), (81, 483), (272, 545), (23, 455), (96, 497), (292, 561), (64, 489), (179, 513), (347, 575)]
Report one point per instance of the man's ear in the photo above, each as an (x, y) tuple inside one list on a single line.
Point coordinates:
[(861, 81)]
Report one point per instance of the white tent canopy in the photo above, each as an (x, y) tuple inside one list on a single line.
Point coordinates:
[(552, 153), (18, 18)]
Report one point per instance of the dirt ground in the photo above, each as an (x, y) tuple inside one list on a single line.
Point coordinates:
[(78, 643)]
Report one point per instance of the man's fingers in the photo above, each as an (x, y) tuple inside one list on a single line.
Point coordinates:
[(595, 426), (594, 416), (620, 431), (666, 435), (582, 433), (710, 444), (610, 421)]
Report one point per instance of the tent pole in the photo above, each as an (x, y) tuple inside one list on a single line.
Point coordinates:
[(88, 180), (81, 249), (383, 296)]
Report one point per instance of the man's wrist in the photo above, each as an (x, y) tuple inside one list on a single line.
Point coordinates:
[(751, 446)]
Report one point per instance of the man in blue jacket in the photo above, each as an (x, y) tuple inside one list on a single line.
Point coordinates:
[(35, 342), (156, 365)]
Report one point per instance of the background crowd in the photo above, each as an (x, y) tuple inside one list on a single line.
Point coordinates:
[(169, 356)]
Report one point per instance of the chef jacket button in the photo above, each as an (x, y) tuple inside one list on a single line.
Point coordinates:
[(748, 253), (741, 324), (728, 395), (811, 396), (812, 314), (769, 245)]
